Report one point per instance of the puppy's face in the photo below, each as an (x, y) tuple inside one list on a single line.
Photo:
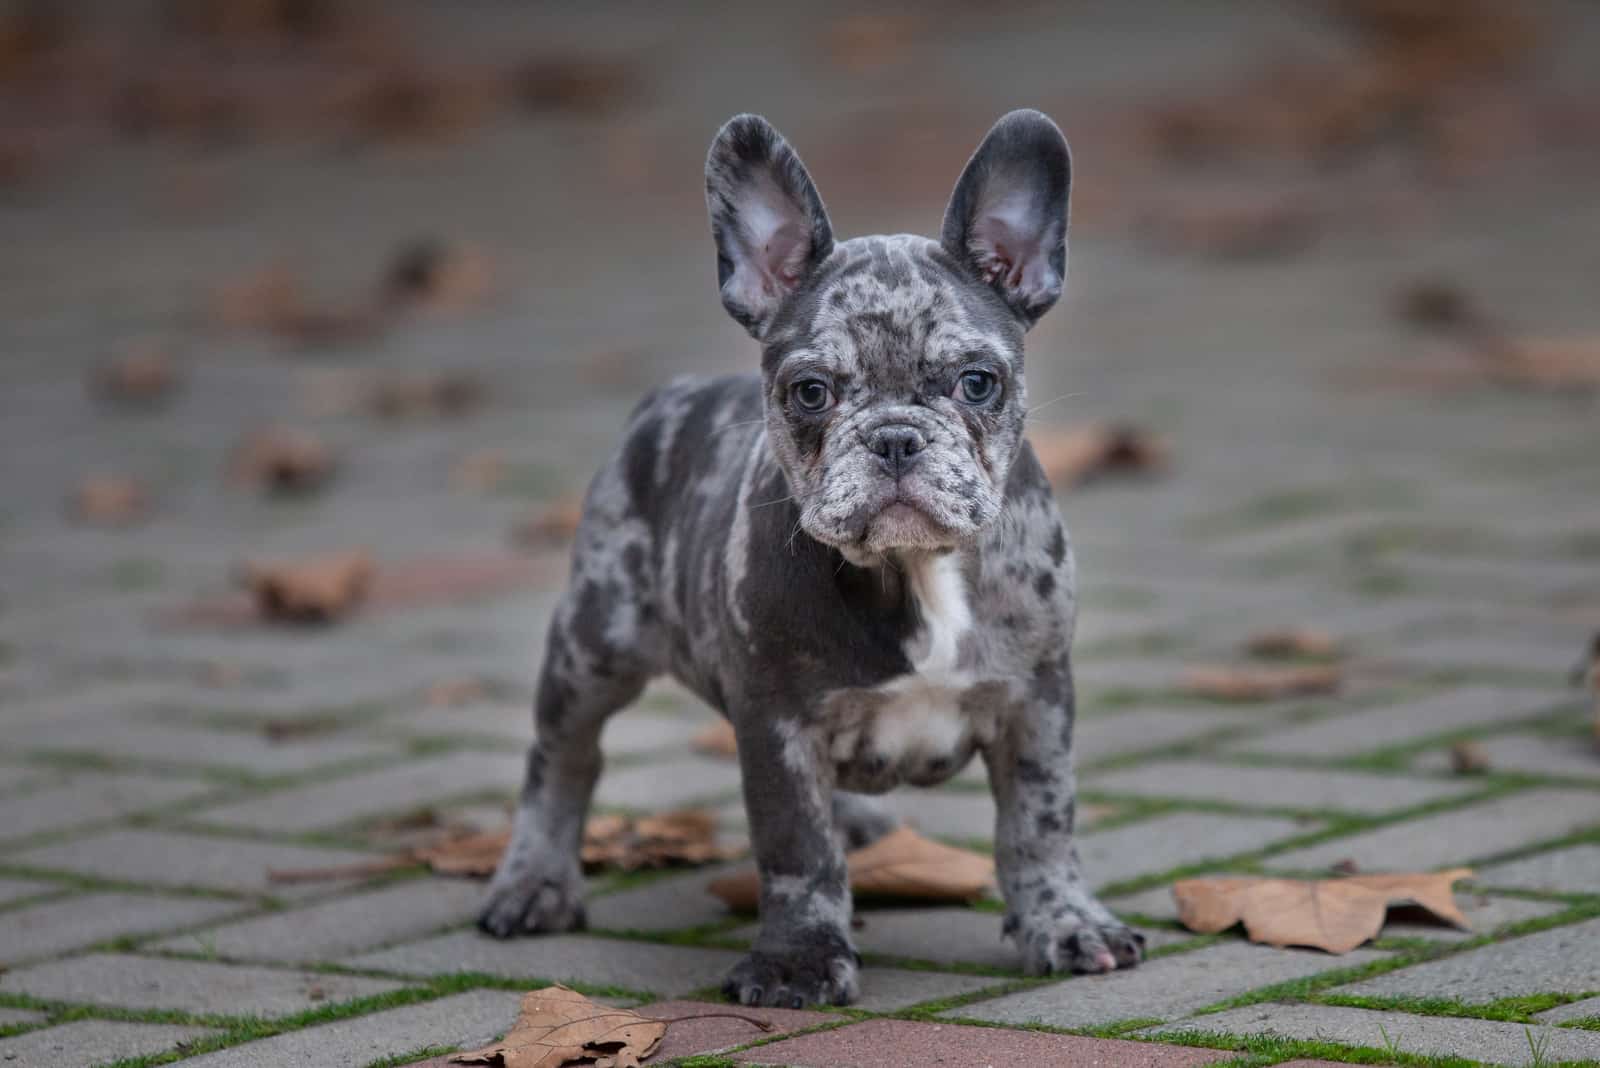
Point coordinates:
[(893, 365), (895, 398)]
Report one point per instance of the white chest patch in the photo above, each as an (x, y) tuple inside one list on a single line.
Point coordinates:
[(921, 717)]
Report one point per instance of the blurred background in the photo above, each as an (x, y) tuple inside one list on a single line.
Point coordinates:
[(281, 279)]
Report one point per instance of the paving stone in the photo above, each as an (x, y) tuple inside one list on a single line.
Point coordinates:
[(1568, 871), (15, 1017), (85, 1043), (1293, 788), (466, 1021), (1551, 658), (966, 815), (17, 889), (1523, 579), (170, 858), (952, 936), (70, 923), (395, 789), (876, 1043), (1457, 836), (1155, 845), (194, 986), (633, 732), (235, 750), (893, 989), (17, 778), (331, 929), (1587, 1009), (668, 970), (1560, 960), (1537, 754), (666, 904), (714, 1034), (1487, 1041), (1166, 988), (1387, 725), (92, 799), (1102, 736), (667, 783)]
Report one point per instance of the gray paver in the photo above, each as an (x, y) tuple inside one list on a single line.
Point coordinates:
[(1292, 788), (1564, 757), (92, 799), (463, 1020), (399, 788), (331, 929), (1587, 1009), (169, 858), (17, 889), (1457, 836), (168, 744), (71, 923), (665, 904), (1409, 721), (1570, 871), (1155, 845), (85, 1043), (1114, 734), (893, 989), (13, 1017), (1492, 1041), (667, 783), (952, 936), (669, 970), (1166, 988), (195, 986), (1552, 659), (1560, 960)]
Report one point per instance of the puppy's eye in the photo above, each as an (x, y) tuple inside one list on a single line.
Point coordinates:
[(976, 387), (811, 395)]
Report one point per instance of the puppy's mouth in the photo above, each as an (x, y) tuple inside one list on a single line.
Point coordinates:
[(902, 525)]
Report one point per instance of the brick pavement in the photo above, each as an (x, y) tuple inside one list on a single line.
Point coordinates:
[(155, 771)]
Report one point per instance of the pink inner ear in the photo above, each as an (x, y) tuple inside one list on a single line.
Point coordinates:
[(784, 254)]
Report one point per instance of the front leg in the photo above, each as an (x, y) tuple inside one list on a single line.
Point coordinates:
[(1057, 922), (803, 953)]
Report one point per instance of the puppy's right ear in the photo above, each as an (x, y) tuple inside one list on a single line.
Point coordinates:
[(769, 224)]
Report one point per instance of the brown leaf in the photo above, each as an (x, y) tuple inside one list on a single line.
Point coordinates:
[(482, 470), (108, 501), (316, 589), (273, 301), (145, 375), (1259, 683), (1332, 914), (436, 277), (435, 396), (901, 864), (1437, 303), (866, 40), (282, 460), (574, 84), (558, 1026), (1246, 228), (1289, 642), (1469, 758), (1549, 363), (453, 693), (1080, 455), (717, 740), (552, 526)]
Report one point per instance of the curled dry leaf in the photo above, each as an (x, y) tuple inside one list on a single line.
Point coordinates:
[(558, 1026), (1080, 455), (1469, 758), (282, 460), (453, 693), (671, 839), (901, 864), (316, 589), (108, 501), (434, 276), (574, 84), (866, 40), (1290, 642), (716, 740), (1332, 914), (552, 526), (427, 396), (1546, 363), (1260, 683), (1252, 228), (272, 301), (1437, 303), (481, 471), (145, 375)]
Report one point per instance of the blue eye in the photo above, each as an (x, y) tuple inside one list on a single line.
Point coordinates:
[(976, 387), (811, 395)]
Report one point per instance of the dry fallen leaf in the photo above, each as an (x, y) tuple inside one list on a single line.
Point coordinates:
[(453, 693), (482, 470), (552, 526), (1247, 228), (558, 1026), (108, 501), (145, 375), (316, 589), (1332, 914), (1469, 758), (273, 301), (683, 837), (901, 864), (576, 84), (866, 40), (1259, 683), (716, 740), (1079, 455), (283, 460), (436, 277), (429, 396), (1290, 642)]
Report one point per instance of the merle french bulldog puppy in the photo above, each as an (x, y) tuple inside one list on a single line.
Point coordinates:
[(854, 555)]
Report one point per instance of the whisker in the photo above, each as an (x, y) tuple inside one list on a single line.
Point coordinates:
[(742, 422), (1056, 400), (765, 504)]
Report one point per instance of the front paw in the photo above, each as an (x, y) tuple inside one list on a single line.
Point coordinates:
[(813, 975), (531, 898), (1074, 937)]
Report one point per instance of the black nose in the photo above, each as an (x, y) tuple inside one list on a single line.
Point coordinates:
[(897, 446)]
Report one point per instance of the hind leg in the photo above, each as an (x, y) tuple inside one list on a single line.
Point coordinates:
[(599, 655), (860, 820)]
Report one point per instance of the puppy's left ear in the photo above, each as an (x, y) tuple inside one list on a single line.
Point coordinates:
[(767, 219), (1007, 219)]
